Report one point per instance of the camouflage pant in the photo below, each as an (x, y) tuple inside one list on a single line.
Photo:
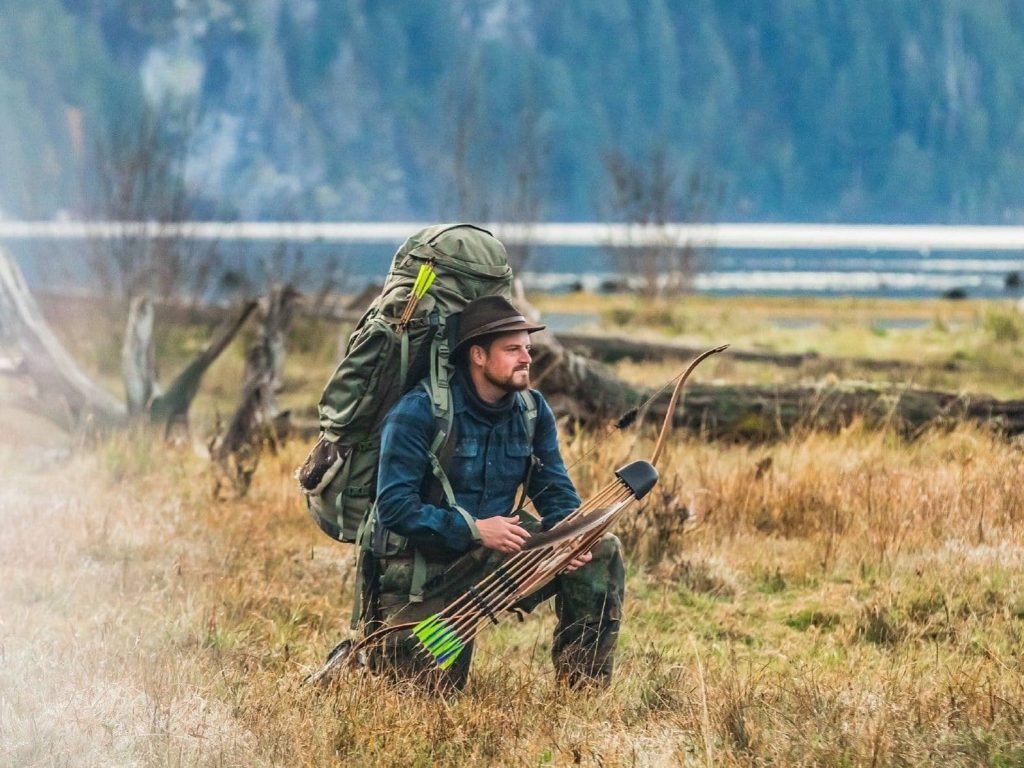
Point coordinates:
[(588, 604)]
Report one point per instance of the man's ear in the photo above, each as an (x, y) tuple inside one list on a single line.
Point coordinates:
[(477, 354)]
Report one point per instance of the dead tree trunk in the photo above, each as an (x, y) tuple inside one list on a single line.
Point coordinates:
[(43, 358), (59, 381), (258, 416), (138, 362)]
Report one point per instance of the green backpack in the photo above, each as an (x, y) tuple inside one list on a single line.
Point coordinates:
[(383, 360)]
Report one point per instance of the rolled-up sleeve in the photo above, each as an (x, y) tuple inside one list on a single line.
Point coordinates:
[(407, 432), (550, 488)]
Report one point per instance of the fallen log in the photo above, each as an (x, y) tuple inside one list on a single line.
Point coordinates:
[(585, 394), (756, 412), (588, 392), (612, 348)]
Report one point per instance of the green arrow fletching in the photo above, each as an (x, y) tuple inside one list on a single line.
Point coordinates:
[(421, 277), (428, 282), (439, 639)]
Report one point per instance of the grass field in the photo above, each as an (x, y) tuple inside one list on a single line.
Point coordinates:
[(846, 599)]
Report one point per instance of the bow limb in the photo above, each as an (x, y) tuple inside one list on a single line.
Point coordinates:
[(350, 657), (666, 425), (380, 634)]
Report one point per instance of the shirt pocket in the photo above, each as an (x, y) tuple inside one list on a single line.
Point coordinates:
[(467, 471), (517, 458), (467, 447)]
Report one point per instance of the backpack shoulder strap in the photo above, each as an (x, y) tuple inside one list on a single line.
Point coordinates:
[(529, 413), (440, 453), (530, 423)]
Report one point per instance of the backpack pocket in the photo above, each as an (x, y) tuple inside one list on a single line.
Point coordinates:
[(339, 510)]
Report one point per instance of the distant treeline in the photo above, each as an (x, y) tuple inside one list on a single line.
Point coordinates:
[(894, 110)]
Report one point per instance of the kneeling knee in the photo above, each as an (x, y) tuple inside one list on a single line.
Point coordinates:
[(607, 549)]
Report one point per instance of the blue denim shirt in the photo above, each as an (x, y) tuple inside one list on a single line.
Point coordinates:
[(487, 466)]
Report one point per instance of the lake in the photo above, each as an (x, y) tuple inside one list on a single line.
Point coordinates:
[(561, 268)]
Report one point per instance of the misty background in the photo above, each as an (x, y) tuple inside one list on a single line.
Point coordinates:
[(516, 110)]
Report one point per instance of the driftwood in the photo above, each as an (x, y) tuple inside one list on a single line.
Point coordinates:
[(611, 348), (43, 358), (66, 394)]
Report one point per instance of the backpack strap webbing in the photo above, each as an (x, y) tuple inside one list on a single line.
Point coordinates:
[(404, 360), (362, 547), (530, 422), (440, 388)]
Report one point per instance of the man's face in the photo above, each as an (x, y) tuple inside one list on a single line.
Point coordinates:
[(506, 363)]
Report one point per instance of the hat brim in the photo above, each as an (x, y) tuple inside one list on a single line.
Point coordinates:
[(513, 326)]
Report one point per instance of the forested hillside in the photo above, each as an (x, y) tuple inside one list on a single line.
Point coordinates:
[(895, 110)]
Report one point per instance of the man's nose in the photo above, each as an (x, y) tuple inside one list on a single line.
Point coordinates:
[(526, 357)]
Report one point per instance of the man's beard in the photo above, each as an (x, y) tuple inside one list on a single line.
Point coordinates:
[(509, 384)]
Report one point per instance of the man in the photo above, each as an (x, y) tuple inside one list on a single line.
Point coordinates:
[(490, 458)]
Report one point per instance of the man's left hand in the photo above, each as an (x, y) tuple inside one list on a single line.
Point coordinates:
[(579, 562)]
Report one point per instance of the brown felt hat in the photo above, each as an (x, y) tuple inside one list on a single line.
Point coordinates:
[(491, 315)]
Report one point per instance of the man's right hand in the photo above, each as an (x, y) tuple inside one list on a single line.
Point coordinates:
[(503, 534)]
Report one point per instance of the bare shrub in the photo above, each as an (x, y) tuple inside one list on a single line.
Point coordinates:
[(646, 194), (137, 174)]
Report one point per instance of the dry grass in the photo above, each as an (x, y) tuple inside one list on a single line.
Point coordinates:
[(829, 599), (843, 599)]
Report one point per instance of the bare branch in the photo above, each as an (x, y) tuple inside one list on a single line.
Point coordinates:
[(172, 407)]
